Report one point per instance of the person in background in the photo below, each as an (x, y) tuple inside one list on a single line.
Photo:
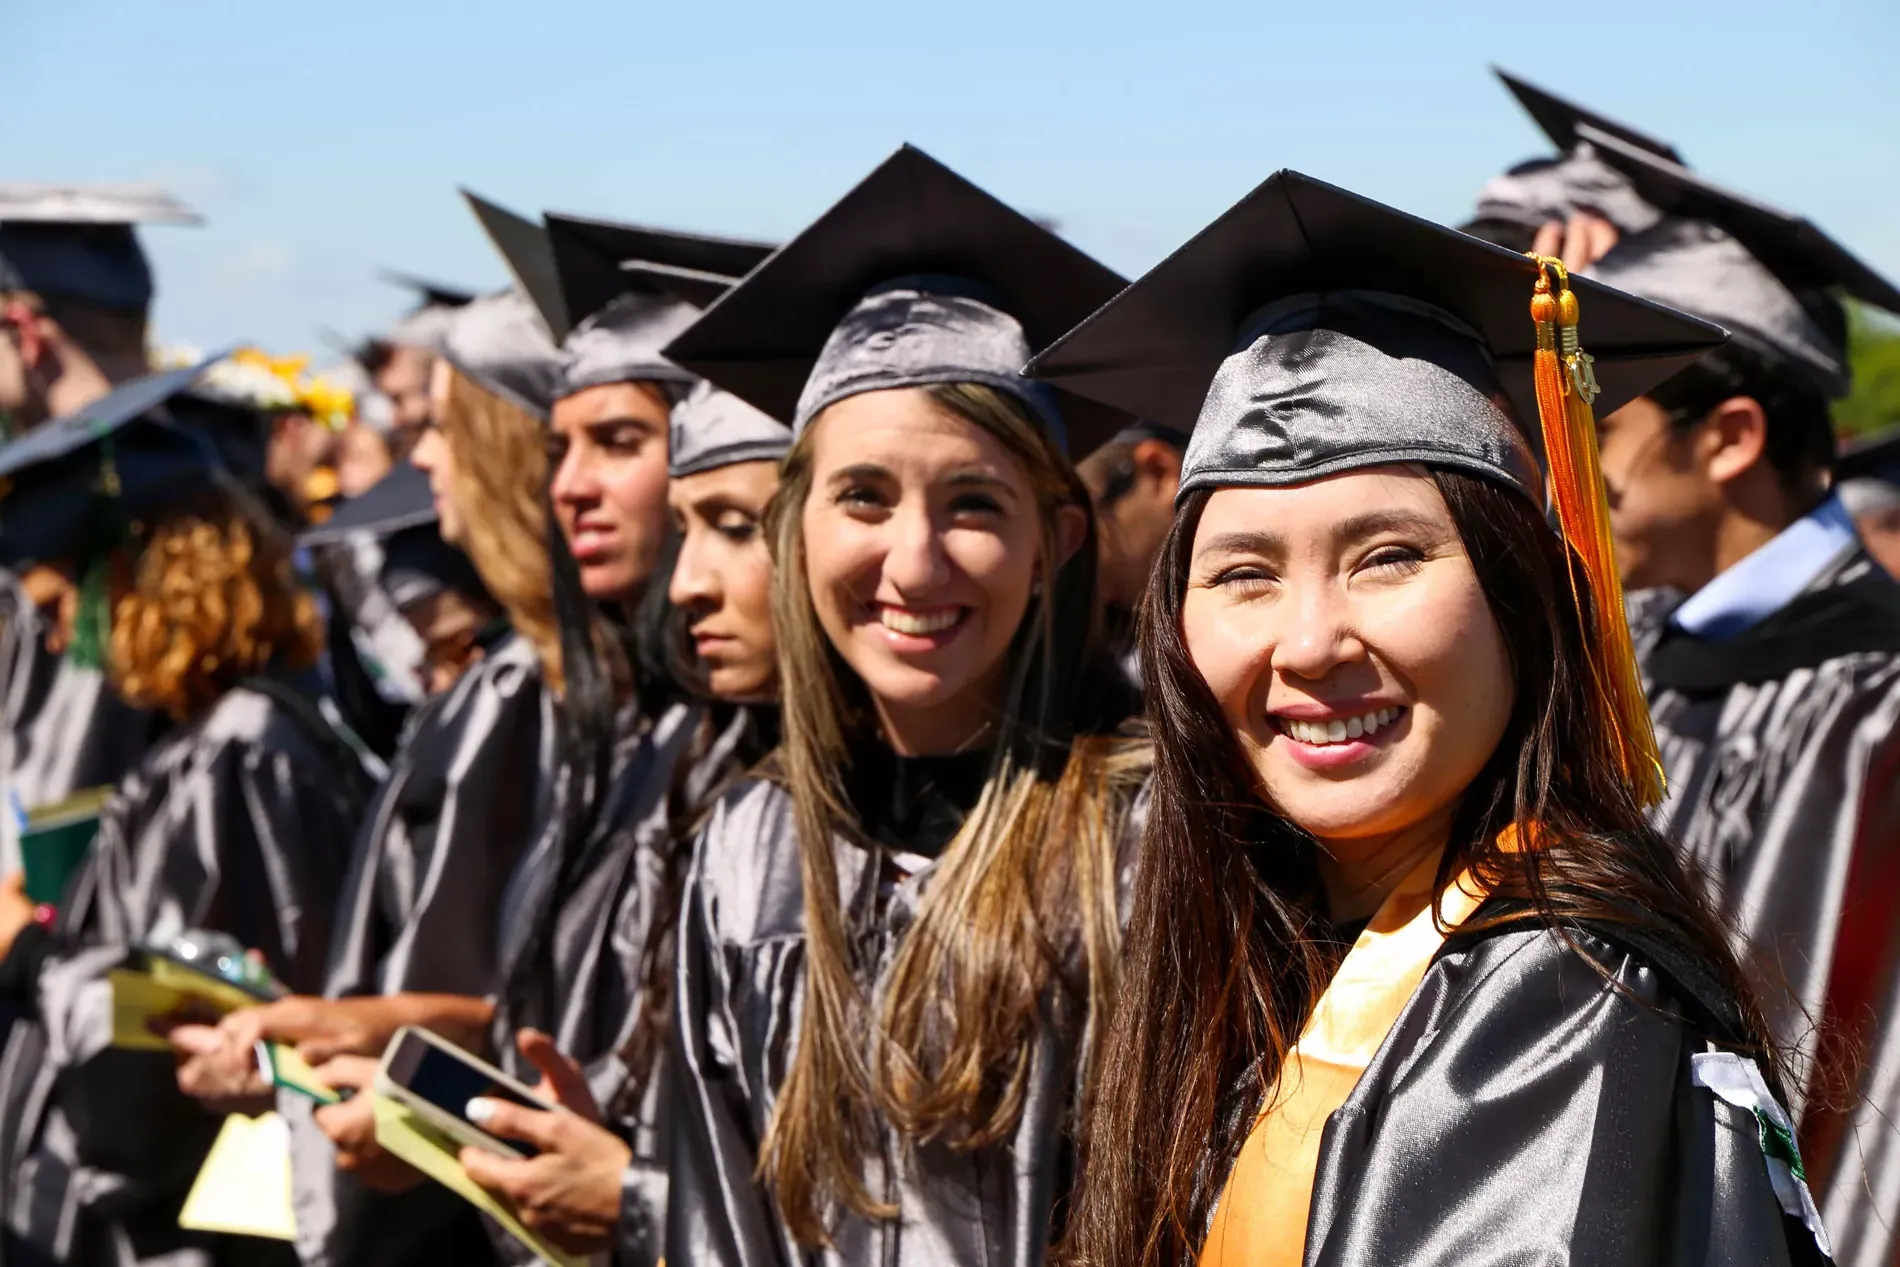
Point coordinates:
[(897, 940), (589, 1185), (1867, 479), (401, 363), (75, 295), (235, 822), (1408, 978), (1132, 480), (1770, 644)]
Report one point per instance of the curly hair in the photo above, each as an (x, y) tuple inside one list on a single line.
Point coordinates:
[(212, 601)]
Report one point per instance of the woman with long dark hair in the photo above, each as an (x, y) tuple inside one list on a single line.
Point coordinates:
[(893, 941), (1408, 979)]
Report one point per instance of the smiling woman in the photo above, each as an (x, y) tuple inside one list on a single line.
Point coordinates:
[(1408, 979)]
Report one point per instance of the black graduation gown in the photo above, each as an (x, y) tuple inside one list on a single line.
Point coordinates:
[(587, 990), (238, 822), (62, 730), (1522, 1110), (469, 789), (1782, 750), (740, 993)]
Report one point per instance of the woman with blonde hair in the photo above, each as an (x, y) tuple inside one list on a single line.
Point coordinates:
[(895, 943), (236, 822)]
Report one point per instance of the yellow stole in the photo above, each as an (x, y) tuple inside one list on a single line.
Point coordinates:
[(1261, 1218)]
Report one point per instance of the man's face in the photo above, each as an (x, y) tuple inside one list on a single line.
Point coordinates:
[(20, 402), (1134, 507), (1665, 508), (405, 380)]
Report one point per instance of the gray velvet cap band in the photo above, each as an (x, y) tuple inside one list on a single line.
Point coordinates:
[(1696, 267), (500, 342), (1326, 383), (621, 344), (1534, 193), (712, 429), (915, 331)]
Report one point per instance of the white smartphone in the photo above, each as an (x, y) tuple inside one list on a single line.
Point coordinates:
[(436, 1079)]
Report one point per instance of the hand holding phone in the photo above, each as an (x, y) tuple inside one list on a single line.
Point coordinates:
[(436, 1080)]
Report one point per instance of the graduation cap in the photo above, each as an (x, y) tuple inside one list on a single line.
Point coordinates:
[(599, 260), (1562, 120), (524, 247), (426, 324), (713, 428), (500, 342), (77, 241), (1773, 278), (914, 277), (1309, 332), (429, 294), (401, 499), (688, 285), (1867, 477), (1514, 205), (71, 481)]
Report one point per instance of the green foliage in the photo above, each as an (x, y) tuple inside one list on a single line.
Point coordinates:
[(1873, 351)]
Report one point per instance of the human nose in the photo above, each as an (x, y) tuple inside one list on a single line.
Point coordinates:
[(574, 479), (1314, 632), (694, 583), (915, 560), (425, 456)]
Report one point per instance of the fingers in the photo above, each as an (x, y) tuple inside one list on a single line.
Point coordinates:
[(15, 883), (195, 1040), (1549, 239), (561, 1079), (351, 1126), (510, 1121), (355, 1072), (504, 1175), (1587, 238)]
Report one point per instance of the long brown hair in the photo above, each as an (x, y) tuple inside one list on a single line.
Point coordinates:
[(501, 474), (1026, 889), (1223, 964), (213, 600)]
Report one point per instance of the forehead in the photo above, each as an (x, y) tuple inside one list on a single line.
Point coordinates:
[(745, 483), (644, 402), (906, 432), (1314, 507)]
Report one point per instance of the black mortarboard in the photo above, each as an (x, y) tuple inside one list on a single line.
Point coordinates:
[(77, 242), (713, 428), (429, 294), (914, 277), (125, 454), (500, 342), (1310, 331), (1560, 120), (401, 499), (1772, 278), (426, 324), (1867, 477), (689, 285), (524, 247), (592, 257)]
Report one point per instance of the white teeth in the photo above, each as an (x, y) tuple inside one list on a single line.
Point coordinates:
[(1320, 733), (908, 622)]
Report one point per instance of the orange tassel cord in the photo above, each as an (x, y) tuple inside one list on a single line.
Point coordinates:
[(1566, 387)]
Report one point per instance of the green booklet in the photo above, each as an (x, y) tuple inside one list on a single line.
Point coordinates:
[(55, 840)]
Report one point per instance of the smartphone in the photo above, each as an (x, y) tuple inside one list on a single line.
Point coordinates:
[(437, 1079)]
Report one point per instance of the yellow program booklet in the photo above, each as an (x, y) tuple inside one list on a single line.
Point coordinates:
[(244, 1186)]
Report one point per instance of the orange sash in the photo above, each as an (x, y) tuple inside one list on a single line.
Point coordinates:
[(1261, 1218)]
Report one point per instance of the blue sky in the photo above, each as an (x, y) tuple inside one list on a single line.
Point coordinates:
[(323, 141)]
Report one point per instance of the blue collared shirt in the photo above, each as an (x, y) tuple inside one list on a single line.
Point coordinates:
[(1770, 578)]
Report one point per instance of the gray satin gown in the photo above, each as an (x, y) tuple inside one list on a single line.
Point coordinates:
[(1782, 750), (237, 822), (470, 786), (1523, 1111), (741, 988)]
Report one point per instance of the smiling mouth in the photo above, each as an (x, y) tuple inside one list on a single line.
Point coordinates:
[(919, 622), (1320, 734)]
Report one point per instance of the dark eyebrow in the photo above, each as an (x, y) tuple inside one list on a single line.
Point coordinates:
[(1252, 541), (623, 420), (1354, 528), (981, 479), (859, 471)]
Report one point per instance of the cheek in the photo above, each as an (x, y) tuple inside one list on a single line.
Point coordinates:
[(1000, 564), (1227, 650), (636, 489), (1444, 642), (749, 590)]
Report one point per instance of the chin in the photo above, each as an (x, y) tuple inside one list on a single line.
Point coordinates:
[(607, 582), (907, 687), (743, 684)]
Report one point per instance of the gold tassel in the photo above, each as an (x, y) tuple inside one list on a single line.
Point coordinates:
[(1566, 386)]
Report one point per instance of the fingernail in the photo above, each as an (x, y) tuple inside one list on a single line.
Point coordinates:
[(479, 1110)]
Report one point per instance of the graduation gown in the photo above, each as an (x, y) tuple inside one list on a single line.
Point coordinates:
[(471, 785), (1524, 1110), (239, 823), (740, 993), (62, 730), (1782, 750), (587, 990)]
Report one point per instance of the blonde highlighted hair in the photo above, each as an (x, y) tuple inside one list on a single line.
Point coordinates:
[(212, 601), (1022, 898), (500, 454)]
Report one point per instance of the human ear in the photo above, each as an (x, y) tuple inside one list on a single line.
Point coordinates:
[(1072, 527), (1158, 465), (1733, 438)]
